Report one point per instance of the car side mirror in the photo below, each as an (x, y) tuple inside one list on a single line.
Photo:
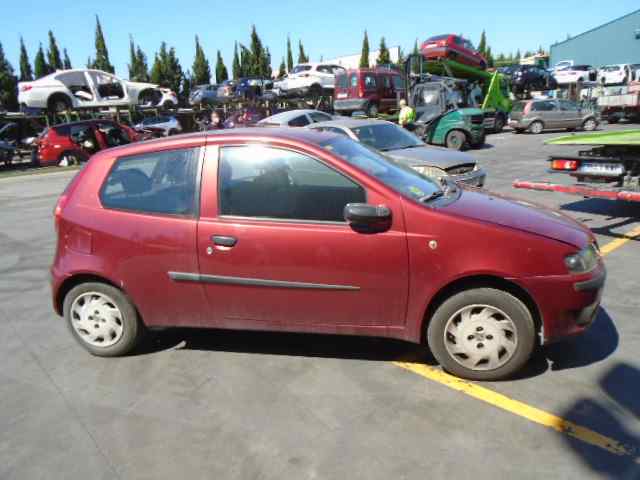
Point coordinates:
[(366, 218)]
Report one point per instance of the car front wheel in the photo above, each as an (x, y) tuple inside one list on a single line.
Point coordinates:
[(482, 334), (102, 319), (456, 140)]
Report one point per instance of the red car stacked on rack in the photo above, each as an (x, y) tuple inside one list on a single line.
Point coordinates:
[(453, 47)]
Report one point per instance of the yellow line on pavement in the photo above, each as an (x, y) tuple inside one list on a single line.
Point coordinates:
[(618, 242), (522, 410)]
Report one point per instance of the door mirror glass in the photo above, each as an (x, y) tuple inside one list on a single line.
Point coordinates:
[(366, 218)]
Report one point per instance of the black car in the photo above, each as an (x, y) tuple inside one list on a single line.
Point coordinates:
[(527, 78)]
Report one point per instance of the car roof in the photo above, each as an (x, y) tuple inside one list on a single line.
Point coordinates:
[(347, 122), (288, 115), (83, 122)]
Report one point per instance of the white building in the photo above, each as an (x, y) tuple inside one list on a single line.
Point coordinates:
[(353, 61)]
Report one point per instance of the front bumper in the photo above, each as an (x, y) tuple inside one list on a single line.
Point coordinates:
[(350, 105), (475, 178), (568, 304)]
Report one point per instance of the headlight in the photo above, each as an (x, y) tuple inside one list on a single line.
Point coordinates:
[(583, 261), (431, 172)]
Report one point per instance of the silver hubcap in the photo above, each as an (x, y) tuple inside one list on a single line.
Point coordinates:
[(589, 125), (97, 319), (480, 337)]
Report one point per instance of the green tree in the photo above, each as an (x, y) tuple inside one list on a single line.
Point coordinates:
[(302, 56), (246, 61), (482, 45), (415, 61), (257, 62), (289, 55), (201, 69), (384, 57), (40, 67), (8, 83), (364, 56), (489, 57), (138, 69), (221, 69), (66, 61), (282, 71), (101, 61), (187, 85), (235, 67), (26, 74), (518, 55), (53, 54)]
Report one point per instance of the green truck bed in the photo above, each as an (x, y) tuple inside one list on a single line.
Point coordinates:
[(618, 138)]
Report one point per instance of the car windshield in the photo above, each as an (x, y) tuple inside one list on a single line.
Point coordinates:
[(301, 68), (395, 175), (611, 68), (386, 137), (437, 37)]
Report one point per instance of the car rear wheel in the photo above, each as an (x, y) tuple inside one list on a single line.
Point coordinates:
[(482, 334), (456, 140), (102, 319), (589, 125), (59, 103), (499, 124), (69, 158), (536, 127), (372, 110)]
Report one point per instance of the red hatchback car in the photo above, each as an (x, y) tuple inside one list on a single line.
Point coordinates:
[(453, 47), (303, 231), (75, 142)]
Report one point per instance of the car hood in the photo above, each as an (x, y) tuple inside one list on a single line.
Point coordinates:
[(431, 156), (520, 215), (140, 85)]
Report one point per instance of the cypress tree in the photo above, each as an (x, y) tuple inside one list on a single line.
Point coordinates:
[(267, 71), (66, 62), (289, 55), (26, 74), (133, 60), (8, 83), (482, 45), (384, 57), (283, 69), (157, 73), (489, 57), (245, 61), (364, 56), (142, 74), (257, 62), (221, 69), (40, 67), (416, 53), (302, 56), (201, 69), (102, 54), (53, 54), (235, 68), (173, 71)]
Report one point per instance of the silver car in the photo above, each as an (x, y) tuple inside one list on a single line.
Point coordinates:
[(403, 146), (295, 118), (169, 125), (538, 115)]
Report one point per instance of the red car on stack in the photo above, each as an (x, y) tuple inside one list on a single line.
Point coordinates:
[(453, 47)]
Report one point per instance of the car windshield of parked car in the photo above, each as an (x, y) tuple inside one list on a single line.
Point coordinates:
[(301, 68), (395, 175), (386, 137)]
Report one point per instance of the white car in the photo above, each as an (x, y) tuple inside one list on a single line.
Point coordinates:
[(562, 65), (169, 125), (75, 89), (295, 118), (575, 73), (309, 78), (614, 74)]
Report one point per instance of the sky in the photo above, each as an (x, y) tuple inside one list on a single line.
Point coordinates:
[(328, 29)]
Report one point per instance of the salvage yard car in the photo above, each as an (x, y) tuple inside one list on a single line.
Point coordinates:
[(73, 89), (453, 47), (535, 116), (313, 79), (303, 231), (403, 146), (370, 90), (295, 118)]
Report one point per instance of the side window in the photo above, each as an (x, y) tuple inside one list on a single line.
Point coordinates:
[(266, 182), (568, 106), (398, 84), (324, 69), (159, 182), (543, 107), (299, 121), (369, 81), (319, 117), (387, 81)]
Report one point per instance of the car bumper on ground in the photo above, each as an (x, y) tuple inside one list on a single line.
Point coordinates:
[(568, 304), (350, 105), (475, 178)]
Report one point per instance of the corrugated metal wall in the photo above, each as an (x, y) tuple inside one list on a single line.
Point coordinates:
[(614, 42)]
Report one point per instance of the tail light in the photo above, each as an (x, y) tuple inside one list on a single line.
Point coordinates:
[(26, 88), (564, 164), (57, 212)]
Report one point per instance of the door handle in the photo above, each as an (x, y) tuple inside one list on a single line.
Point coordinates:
[(224, 241)]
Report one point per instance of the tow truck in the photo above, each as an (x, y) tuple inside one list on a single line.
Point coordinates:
[(610, 169)]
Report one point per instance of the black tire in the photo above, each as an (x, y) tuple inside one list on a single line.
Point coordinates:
[(72, 158), (499, 124), (59, 103), (515, 309), (372, 110), (315, 90), (133, 329), (536, 127), (589, 125), (480, 143), (173, 131), (456, 140)]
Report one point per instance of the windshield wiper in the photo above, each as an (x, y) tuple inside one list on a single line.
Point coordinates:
[(431, 196)]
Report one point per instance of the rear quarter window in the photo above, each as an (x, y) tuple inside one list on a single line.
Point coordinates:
[(518, 107)]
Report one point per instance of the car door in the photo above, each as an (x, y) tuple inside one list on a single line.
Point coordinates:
[(276, 253), (570, 114)]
